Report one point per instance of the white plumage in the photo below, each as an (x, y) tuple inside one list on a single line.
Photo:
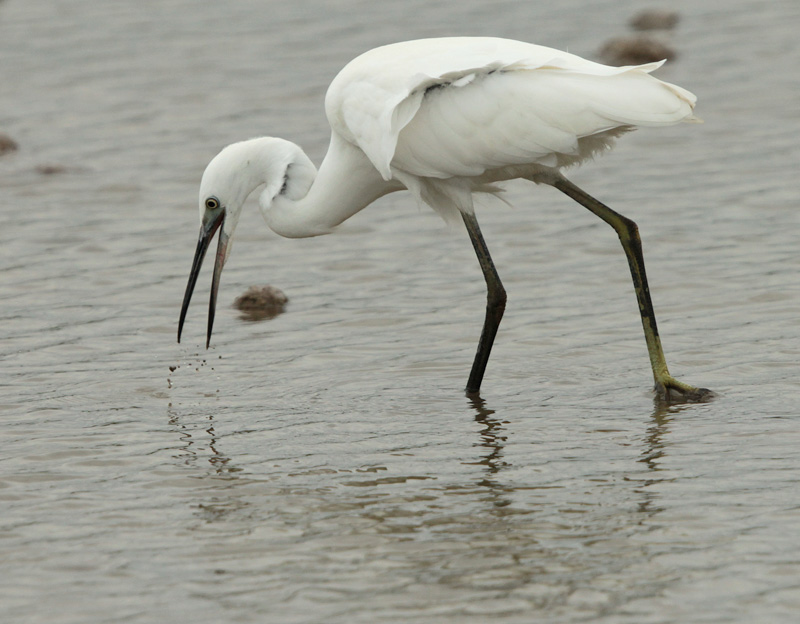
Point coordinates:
[(443, 118), (475, 104)]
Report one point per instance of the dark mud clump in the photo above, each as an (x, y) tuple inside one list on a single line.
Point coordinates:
[(635, 50), (654, 19), (7, 144), (259, 303)]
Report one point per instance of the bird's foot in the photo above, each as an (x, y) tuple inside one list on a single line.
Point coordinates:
[(671, 390)]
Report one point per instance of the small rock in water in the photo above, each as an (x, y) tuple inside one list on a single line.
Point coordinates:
[(50, 169), (7, 144), (261, 302), (654, 19), (635, 50)]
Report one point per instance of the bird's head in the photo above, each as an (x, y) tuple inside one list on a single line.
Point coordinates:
[(228, 180)]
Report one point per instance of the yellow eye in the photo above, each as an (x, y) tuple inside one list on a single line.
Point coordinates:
[(212, 203)]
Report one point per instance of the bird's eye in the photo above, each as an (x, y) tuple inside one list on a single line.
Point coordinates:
[(212, 203)]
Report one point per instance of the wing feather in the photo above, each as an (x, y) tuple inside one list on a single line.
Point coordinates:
[(452, 107)]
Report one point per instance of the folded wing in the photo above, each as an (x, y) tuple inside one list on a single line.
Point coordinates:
[(461, 106)]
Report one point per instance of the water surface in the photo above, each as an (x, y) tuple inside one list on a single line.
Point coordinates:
[(325, 466)]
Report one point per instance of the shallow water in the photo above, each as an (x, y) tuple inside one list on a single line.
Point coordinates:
[(325, 466)]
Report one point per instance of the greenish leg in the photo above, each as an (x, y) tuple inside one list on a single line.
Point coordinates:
[(667, 386)]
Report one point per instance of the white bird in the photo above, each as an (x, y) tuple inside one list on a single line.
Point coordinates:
[(446, 118)]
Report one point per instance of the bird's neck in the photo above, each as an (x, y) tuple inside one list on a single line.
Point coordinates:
[(311, 203)]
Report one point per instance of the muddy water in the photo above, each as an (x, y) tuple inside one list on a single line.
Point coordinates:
[(324, 466)]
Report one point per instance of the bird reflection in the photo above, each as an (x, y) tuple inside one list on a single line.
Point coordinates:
[(653, 452), (191, 449), (654, 444), (213, 500), (492, 440)]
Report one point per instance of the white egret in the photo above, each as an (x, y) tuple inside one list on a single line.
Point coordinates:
[(446, 118)]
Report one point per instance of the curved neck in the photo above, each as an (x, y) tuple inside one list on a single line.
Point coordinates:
[(312, 204)]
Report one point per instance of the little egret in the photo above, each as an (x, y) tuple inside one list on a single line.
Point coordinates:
[(446, 118)]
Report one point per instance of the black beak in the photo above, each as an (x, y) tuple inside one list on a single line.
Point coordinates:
[(207, 231)]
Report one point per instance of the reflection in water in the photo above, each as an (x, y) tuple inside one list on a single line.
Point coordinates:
[(215, 499), (492, 439), (191, 449), (661, 417), (654, 450)]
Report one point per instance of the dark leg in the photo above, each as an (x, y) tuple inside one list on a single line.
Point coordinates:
[(667, 386), (495, 304)]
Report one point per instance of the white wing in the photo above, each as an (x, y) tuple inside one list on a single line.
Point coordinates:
[(459, 106)]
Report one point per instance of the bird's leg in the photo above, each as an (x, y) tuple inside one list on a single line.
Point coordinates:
[(667, 387), (495, 304)]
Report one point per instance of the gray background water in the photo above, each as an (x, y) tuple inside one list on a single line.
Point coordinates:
[(325, 466)]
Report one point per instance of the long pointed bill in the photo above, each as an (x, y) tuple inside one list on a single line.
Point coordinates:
[(222, 248), (207, 232)]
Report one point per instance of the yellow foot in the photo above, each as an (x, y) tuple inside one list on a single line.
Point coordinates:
[(673, 391)]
